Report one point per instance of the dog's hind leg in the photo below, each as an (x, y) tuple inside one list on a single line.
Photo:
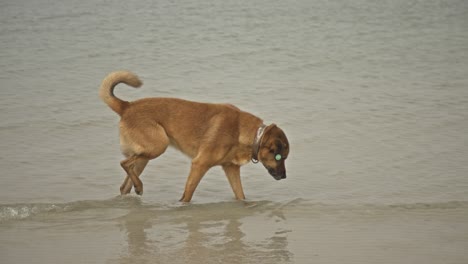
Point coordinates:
[(138, 168), (233, 174), (126, 186), (139, 146), (133, 165)]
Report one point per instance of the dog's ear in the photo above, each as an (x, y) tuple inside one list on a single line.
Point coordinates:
[(268, 128)]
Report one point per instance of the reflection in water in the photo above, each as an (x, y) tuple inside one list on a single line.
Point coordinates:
[(214, 233), (139, 246)]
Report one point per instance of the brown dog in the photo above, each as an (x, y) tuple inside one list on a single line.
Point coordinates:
[(211, 134)]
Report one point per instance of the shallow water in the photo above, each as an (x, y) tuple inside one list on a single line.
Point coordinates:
[(126, 229), (372, 95)]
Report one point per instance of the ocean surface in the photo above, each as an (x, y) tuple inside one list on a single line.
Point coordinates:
[(373, 96)]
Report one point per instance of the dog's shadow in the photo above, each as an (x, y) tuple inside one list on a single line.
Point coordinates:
[(227, 232)]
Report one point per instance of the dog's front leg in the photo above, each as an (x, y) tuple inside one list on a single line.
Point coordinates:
[(233, 174), (197, 171)]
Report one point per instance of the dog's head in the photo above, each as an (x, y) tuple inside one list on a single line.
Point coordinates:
[(273, 151)]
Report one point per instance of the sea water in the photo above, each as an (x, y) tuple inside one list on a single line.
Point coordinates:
[(373, 96)]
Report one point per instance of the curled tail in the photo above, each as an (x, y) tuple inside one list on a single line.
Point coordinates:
[(106, 91)]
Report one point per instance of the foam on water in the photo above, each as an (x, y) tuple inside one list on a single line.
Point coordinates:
[(12, 212)]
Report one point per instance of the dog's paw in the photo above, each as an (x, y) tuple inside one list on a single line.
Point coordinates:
[(185, 199), (139, 191), (182, 199), (124, 191)]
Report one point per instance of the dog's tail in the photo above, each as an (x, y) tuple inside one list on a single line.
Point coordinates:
[(106, 91)]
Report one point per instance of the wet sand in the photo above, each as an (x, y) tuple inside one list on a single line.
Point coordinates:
[(125, 230)]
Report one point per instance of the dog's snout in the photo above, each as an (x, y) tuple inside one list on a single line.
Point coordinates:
[(278, 175), (272, 171), (281, 175)]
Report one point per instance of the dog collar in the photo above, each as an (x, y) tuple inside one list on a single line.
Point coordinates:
[(257, 141)]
